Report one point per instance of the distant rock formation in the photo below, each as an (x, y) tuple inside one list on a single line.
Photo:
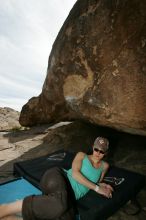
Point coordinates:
[(97, 68), (9, 119)]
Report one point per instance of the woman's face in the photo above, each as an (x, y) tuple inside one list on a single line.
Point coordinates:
[(98, 154)]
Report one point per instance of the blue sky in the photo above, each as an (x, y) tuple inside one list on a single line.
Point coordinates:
[(27, 32)]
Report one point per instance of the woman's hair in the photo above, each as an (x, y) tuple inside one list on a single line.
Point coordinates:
[(101, 143)]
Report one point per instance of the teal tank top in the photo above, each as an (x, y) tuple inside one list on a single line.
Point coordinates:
[(91, 173)]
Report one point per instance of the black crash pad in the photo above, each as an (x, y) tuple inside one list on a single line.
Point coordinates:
[(92, 206)]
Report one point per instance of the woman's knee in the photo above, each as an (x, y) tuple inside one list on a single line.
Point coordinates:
[(52, 181)]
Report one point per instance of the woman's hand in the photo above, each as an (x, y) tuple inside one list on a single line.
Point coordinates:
[(105, 190), (106, 185)]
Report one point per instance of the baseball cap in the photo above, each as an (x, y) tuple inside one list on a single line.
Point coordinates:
[(101, 143)]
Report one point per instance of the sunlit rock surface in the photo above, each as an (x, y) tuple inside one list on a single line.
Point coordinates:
[(9, 119), (97, 68)]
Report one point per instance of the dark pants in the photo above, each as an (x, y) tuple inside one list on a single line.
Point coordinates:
[(56, 202)]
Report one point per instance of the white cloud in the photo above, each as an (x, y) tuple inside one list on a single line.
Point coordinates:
[(27, 32)]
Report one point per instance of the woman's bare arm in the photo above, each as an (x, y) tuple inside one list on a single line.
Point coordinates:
[(76, 166), (105, 169)]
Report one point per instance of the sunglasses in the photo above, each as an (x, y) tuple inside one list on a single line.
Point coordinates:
[(97, 150)]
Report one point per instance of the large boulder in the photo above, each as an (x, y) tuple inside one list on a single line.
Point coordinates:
[(9, 119), (97, 68)]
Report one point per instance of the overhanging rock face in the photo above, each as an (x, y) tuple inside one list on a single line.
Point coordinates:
[(97, 68)]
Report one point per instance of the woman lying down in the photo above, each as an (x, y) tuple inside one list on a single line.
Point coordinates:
[(60, 188)]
